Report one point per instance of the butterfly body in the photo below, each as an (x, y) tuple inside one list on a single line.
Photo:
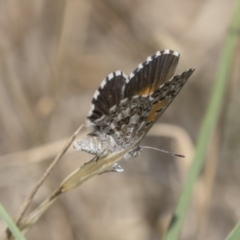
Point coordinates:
[(124, 108)]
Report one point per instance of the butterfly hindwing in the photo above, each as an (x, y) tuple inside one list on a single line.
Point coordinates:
[(144, 111), (162, 97)]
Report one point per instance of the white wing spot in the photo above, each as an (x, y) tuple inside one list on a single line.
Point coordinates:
[(96, 94), (176, 53), (166, 51), (110, 76), (123, 101), (118, 73), (157, 53), (113, 108), (131, 75), (161, 86), (149, 59), (140, 66), (91, 110), (103, 83)]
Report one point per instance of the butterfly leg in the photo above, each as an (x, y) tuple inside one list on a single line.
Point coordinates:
[(133, 153)]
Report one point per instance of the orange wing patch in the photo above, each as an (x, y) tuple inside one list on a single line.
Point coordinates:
[(145, 91), (156, 107)]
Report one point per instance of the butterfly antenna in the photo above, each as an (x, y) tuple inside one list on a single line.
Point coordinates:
[(164, 151)]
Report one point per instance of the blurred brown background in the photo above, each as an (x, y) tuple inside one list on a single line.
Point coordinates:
[(53, 55)]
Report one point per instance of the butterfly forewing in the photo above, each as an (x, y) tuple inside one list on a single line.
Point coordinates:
[(149, 75)]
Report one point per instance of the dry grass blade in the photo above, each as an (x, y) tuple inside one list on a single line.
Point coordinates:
[(74, 180), (29, 198), (34, 155)]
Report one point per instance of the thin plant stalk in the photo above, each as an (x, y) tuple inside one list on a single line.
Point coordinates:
[(208, 125)]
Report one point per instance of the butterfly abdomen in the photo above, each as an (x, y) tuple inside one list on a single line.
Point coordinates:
[(96, 144)]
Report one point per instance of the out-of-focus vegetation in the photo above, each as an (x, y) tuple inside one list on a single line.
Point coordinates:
[(53, 55)]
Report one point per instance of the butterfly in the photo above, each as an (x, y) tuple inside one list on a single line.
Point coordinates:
[(124, 108)]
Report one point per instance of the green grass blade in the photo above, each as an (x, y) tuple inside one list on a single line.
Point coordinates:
[(208, 125), (235, 233), (10, 224)]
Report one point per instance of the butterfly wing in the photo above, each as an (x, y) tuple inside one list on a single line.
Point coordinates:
[(109, 94), (149, 90), (145, 110), (155, 71), (164, 95), (126, 107)]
